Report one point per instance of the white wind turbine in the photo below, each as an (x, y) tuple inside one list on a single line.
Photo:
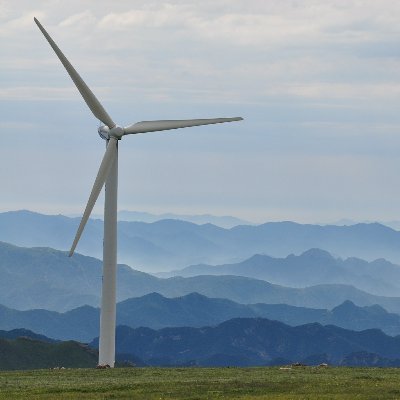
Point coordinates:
[(108, 175)]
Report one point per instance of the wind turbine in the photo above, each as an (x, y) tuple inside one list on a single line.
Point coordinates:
[(108, 175)]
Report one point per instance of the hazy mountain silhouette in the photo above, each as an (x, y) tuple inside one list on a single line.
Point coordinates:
[(251, 341), (237, 342), (313, 267), (47, 278), (222, 221), (194, 310), (172, 244)]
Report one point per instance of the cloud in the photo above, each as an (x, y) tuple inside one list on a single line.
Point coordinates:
[(318, 83), (21, 23), (83, 19), (166, 15)]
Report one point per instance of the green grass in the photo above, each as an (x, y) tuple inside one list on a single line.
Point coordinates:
[(202, 383)]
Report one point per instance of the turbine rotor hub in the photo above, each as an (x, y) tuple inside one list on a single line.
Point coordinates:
[(106, 133), (116, 132)]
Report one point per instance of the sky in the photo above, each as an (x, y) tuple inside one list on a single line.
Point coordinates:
[(317, 83)]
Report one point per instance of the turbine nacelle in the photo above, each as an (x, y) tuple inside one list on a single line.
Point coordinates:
[(106, 133)]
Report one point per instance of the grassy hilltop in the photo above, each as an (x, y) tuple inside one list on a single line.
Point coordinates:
[(202, 383)]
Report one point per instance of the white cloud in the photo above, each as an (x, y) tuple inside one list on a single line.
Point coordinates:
[(83, 19), (21, 24)]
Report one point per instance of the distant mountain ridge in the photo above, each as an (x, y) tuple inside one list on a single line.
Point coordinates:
[(225, 221), (193, 310), (172, 244), (251, 342), (313, 267), (237, 342), (24, 333), (23, 349), (47, 278)]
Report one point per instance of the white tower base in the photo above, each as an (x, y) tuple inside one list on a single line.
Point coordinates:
[(108, 298)]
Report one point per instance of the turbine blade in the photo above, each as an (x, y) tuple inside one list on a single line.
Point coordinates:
[(163, 125), (90, 99), (101, 177)]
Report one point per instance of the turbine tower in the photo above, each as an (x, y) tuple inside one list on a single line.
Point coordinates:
[(108, 175)]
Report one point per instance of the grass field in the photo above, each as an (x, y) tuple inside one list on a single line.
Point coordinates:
[(202, 383)]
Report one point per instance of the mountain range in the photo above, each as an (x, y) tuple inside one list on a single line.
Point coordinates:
[(225, 221), (313, 267), (193, 310), (237, 342), (268, 309), (251, 342), (23, 349), (47, 278), (170, 244)]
